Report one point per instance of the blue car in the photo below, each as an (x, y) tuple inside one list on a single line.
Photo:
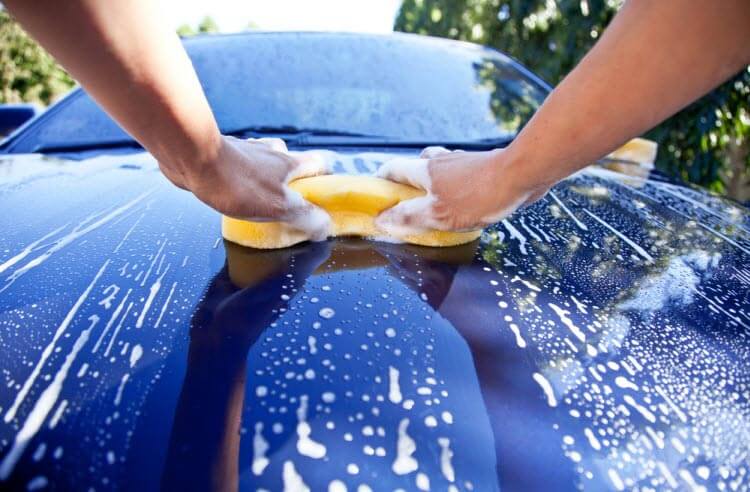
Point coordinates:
[(597, 340)]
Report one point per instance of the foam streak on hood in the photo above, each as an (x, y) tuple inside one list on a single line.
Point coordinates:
[(600, 334)]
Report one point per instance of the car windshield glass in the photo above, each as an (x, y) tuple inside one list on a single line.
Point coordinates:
[(400, 87)]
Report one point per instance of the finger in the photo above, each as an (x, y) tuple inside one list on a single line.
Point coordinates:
[(433, 151), (414, 172), (408, 217), (276, 144), (310, 163), (303, 215)]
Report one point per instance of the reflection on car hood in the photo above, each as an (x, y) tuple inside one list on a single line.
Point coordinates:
[(597, 339)]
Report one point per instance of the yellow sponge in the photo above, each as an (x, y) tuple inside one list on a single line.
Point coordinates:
[(353, 203), (637, 151)]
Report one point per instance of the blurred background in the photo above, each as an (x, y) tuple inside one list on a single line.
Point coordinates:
[(707, 143)]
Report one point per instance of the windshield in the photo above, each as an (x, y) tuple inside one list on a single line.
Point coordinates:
[(401, 87)]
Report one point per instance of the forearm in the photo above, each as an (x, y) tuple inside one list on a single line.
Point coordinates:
[(655, 58), (135, 67)]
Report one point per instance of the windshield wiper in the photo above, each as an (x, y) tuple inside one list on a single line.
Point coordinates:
[(334, 141), (317, 137), (295, 134), (299, 137), (74, 146), (290, 133)]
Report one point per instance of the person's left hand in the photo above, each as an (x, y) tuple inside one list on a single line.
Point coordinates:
[(465, 190), (249, 180)]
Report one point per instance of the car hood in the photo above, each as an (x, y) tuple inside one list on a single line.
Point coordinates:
[(598, 339)]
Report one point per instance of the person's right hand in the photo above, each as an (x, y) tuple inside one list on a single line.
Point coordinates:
[(247, 179)]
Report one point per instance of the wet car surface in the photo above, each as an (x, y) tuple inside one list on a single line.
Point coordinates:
[(596, 340)]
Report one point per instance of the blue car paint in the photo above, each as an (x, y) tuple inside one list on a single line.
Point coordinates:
[(596, 340), (560, 345), (13, 116)]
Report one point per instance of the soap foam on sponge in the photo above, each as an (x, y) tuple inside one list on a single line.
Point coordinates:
[(353, 202)]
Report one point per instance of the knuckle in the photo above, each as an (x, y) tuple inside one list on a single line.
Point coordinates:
[(433, 151), (274, 143)]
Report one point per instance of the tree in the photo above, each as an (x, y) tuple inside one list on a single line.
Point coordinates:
[(27, 72), (206, 26), (707, 143)]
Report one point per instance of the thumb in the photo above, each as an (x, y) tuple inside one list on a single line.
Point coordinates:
[(433, 151), (414, 172), (309, 163), (408, 217), (276, 144), (308, 218)]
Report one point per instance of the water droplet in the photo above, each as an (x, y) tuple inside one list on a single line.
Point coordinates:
[(326, 313)]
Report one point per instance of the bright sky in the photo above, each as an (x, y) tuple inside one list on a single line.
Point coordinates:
[(284, 15)]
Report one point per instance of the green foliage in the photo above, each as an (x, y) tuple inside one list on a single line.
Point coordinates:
[(707, 143), (205, 26), (549, 37), (27, 72)]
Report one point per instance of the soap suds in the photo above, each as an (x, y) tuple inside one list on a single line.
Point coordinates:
[(292, 480), (547, 388), (394, 390), (405, 448), (305, 444), (260, 447), (445, 459)]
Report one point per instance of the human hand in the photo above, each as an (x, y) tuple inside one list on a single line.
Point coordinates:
[(247, 179), (465, 190)]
